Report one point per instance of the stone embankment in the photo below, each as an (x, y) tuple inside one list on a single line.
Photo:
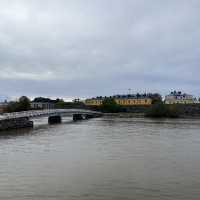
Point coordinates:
[(16, 123)]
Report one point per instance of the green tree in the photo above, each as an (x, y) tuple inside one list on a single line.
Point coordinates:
[(61, 105), (173, 111), (163, 110), (110, 105), (156, 98), (67, 105), (23, 104), (12, 107)]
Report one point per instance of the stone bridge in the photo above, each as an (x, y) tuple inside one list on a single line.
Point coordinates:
[(22, 119)]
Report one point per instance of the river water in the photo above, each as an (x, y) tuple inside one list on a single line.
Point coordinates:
[(102, 159)]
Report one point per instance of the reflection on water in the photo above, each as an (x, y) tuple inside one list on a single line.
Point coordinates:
[(105, 158)]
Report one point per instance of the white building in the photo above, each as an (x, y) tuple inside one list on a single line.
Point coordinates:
[(180, 98), (42, 105)]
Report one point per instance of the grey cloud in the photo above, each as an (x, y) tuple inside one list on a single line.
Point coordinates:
[(85, 48)]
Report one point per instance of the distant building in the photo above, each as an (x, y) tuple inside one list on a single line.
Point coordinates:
[(97, 101), (3, 106), (125, 100), (43, 103), (180, 98)]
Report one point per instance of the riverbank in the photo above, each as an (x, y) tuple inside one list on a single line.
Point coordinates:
[(178, 110), (142, 115), (124, 115)]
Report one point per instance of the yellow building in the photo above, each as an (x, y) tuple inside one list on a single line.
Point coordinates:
[(133, 101), (94, 102), (124, 100)]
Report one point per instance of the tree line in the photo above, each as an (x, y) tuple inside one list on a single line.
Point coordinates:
[(22, 104)]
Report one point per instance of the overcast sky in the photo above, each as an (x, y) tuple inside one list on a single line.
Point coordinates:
[(83, 48)]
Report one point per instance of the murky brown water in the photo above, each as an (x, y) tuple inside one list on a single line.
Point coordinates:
[(102, 159)]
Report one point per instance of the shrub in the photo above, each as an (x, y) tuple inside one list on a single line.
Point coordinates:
[(163, 110), (16, 106), (109, 105)]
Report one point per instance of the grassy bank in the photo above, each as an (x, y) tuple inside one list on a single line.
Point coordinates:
[(162, 110)]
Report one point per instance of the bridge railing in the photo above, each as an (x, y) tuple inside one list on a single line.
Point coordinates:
[(38, 113)]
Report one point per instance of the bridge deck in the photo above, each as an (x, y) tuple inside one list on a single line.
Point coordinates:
[(43, 113)]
